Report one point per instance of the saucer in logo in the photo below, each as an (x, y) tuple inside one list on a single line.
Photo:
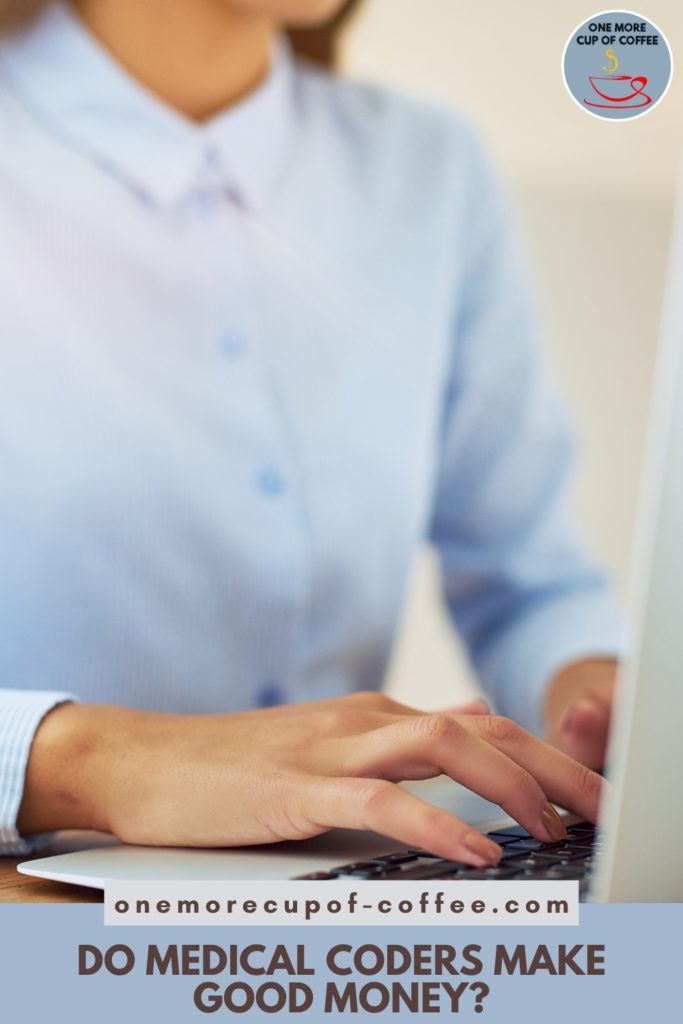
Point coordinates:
[(617, 65)]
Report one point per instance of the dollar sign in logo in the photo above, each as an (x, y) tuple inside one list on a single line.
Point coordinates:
[(613, 61)]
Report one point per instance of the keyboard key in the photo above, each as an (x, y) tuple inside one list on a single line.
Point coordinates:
[(551, 852), (504, 840), (431, 869), (508, 871), (573, 866), (363, 869), (524, 844), (396, 858), (509, 855), (555, 874), (585, 828), (532, 860), (585, 865), (531, 844), (356, 865), (366, 873), (315, 876), (574, 852), (565, 874), (515, 832)]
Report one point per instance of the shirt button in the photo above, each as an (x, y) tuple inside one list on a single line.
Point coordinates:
[(270, 695), (271, 482), (207, 200), (232, 344)]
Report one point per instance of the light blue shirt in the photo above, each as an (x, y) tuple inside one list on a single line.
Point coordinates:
[(246, 368)]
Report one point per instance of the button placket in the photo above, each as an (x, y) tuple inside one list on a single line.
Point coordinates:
[(277, 515)]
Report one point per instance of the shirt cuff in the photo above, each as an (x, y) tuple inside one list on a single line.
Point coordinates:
[(21, 712), (517, 669)]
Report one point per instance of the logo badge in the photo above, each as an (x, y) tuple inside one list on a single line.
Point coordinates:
[(617, 65)]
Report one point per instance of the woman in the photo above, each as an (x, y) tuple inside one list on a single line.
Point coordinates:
[(262, 332)]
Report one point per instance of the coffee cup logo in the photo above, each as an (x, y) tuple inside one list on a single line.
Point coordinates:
[(626, 89), (617, 65)]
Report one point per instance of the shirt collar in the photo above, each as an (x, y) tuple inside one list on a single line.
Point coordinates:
[(84, 96)]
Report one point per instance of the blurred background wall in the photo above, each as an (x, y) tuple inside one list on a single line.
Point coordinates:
[(594, 202)]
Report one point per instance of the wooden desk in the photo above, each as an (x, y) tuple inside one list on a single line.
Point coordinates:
[(18, 888)]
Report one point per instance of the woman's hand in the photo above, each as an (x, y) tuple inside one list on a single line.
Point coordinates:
[(578, 710), (293, 772)]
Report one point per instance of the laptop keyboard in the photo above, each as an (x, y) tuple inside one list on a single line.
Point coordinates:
[(523, 858)]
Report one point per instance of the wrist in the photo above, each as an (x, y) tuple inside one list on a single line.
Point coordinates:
[(69, 773)]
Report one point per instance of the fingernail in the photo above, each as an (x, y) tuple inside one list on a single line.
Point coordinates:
[(553, 823), (483, 849)]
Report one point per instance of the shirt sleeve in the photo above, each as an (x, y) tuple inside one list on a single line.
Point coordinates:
[(21, 712), (523, 592)]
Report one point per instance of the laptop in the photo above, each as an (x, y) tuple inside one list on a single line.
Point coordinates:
[(636, 854)]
